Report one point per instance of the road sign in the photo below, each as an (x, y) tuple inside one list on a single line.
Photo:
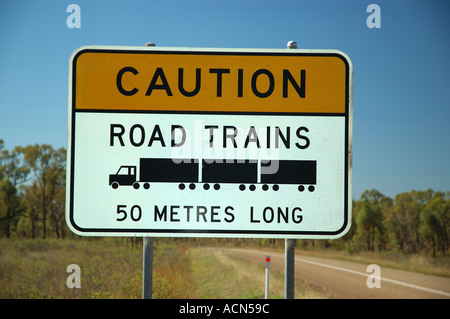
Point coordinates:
[(197, 142)]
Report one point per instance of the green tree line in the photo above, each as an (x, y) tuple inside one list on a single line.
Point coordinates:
[(412, 222), (32, 205), (32, 191)]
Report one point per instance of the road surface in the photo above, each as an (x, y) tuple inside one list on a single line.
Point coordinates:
[(344, 279)]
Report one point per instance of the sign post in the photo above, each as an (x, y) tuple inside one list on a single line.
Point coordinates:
[(147, 256), (289, 245), (147, 268), (195, 142), (289, 269)]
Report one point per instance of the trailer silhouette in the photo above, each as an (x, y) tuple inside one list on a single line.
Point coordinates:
[(215, 172)]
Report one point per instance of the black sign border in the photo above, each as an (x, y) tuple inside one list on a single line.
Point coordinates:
[(202, 232)]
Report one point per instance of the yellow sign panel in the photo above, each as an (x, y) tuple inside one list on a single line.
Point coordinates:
[(159, 79)]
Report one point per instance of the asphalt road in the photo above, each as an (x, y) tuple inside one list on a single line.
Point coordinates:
[(348, 280)]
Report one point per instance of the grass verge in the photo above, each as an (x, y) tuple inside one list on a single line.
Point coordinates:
[(112, 268), (220, 274)]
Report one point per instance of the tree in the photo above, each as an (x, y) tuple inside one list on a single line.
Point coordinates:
[(435, 223), (13, 171), (9, 204), (57, 205), (12, 165), (47, 166), (369, 222), (405, 219), (28, 223), (370, 219)]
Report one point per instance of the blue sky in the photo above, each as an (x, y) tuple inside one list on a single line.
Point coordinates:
[(401, 96)]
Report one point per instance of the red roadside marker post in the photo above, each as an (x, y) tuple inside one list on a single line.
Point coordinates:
[(266, 290)]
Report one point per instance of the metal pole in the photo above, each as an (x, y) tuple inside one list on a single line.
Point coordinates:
[(289, 263), (147, 266), (147, 258), (292, 45), (289, 268)]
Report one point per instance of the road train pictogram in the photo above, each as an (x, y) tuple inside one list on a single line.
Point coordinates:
[(211, 173)]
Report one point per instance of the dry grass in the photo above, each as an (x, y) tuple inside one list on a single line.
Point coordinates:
[(38, 269), (110, 268), (221, 274)]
